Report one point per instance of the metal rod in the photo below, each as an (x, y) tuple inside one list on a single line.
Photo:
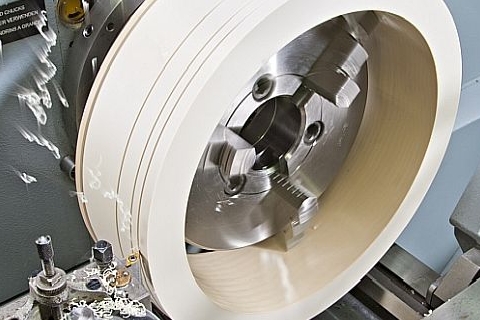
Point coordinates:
[(45, 253)]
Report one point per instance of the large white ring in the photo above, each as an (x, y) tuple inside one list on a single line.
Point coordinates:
[(161, 91)]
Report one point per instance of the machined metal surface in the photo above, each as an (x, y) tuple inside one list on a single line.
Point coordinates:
[(102, 253), (463, 306), (396, 288), (463, 273), (45, 253), (348, 307), (414, 273), (281, 142), (394, 306), (466, 218)]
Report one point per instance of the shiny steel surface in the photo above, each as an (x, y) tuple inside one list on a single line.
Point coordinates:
[(462, 274), (463, 306), (102, 252), (237, 155), (45, 253), (394, 289), (414, 273), (282, 141), (398, 304)]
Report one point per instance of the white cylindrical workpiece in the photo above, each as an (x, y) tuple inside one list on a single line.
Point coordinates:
[(161, 91)]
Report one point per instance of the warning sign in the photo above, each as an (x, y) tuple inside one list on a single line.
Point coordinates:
[(17, 19)]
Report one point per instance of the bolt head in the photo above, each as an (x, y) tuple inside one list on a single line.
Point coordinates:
[(263, 87), (102, 252)]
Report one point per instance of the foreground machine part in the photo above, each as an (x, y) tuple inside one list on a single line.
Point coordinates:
[(109, 280), (49, 287), (464, 272), (465, 217), (173, 81), (108, 287), (466, 269)]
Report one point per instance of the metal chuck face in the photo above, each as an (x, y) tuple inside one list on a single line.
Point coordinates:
[(283, 140)]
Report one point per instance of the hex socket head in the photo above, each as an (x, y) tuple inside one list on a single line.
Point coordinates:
[(102, 253), (44, 248)]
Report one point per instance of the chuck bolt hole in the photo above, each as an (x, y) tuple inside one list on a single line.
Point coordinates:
[(313, 132), (87, 32), (234, 185), (110, 27), (262, 87)]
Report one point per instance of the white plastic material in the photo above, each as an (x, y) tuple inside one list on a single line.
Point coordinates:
[(166, 82)]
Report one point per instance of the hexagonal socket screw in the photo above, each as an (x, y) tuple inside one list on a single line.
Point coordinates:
[(263, 87), (102, 253)]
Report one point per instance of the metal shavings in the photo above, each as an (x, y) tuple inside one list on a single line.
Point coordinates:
[(22, 312), (126, 215), (95, 182), (39, 139), (125, 306), (91, 272), (108, 278), (31, 99), (61, 94), (80, 195), (104, 309), (25, 177)]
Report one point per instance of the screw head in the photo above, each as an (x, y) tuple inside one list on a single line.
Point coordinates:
[(93, 284), (102, 253), (235, 185), (262, 87), (87, 32)]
